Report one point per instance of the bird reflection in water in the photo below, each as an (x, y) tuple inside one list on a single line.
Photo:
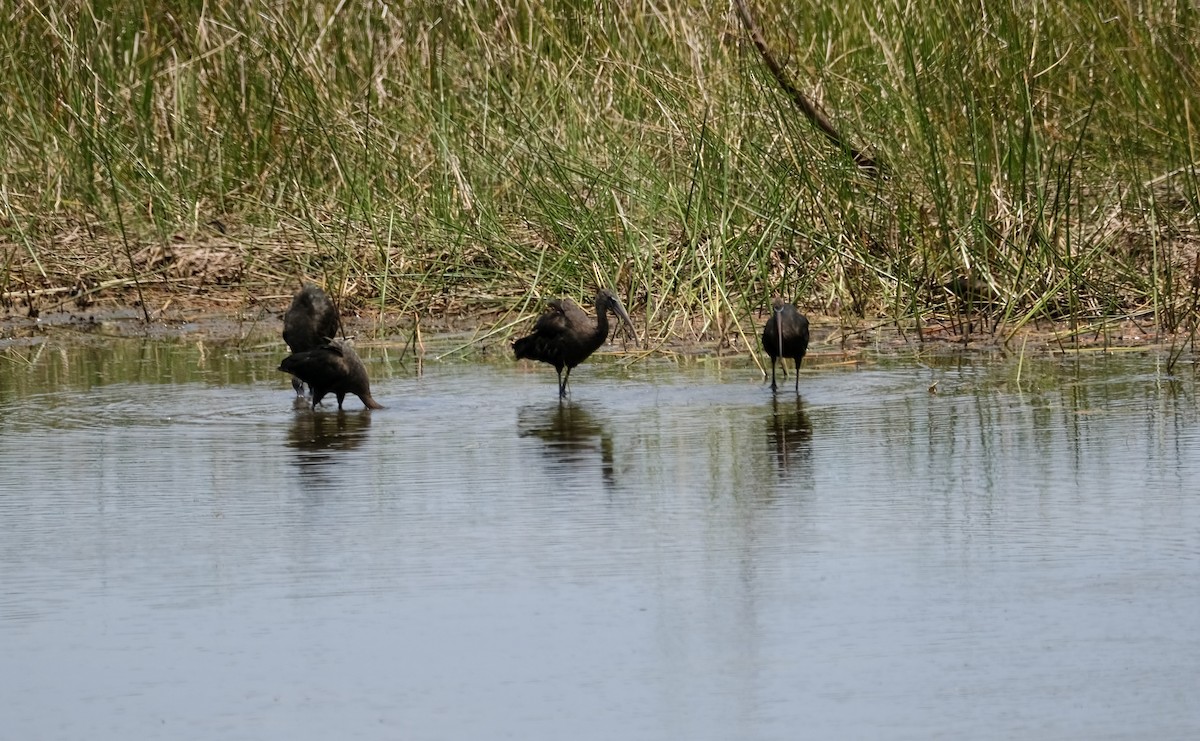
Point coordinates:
[(318, 439), (790, 434), (572, 437)]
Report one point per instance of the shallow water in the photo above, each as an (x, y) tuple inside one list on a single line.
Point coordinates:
[(672, 554)]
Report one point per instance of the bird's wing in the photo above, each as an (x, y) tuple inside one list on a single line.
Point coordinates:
[(295, 331), (291, 337), (327, 321), (337, 348), (320, 361), (575, 316), (555, 320)]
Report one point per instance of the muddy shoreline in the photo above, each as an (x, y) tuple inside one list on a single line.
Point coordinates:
[(237, 318)]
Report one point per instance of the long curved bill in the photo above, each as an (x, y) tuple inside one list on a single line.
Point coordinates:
[(624, 315)]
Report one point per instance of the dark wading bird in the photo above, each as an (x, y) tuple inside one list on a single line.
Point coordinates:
[(785, 336), (565, 336), (332, 368), (310, 322)]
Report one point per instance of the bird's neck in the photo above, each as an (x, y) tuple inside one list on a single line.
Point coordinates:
[(601, 332)]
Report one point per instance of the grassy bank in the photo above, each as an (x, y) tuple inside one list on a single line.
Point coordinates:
[(424, 157)]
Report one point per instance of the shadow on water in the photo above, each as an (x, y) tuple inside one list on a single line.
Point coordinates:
[(789, 432), (573, 438)]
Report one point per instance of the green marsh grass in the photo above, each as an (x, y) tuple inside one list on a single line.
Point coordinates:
[(425, 158)]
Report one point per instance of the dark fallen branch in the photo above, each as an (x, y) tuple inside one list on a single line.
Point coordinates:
[(806, 106)]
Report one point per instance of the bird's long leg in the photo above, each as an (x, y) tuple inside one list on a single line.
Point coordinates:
[(773, 386), (566, 382), (797, 375), (562, 386)]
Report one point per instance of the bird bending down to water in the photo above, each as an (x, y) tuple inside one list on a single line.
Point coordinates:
[(310, 322), (331, 368), (564, 336), (785, 336)]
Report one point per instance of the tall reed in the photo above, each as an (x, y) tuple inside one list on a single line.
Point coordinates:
[(417, 154)]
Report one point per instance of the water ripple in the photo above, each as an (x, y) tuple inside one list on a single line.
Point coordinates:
[(673, 552)]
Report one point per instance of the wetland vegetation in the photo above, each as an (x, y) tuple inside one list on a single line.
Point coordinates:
[(472, 159)]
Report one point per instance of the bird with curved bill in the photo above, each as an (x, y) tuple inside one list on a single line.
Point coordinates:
[(311, 321), (785, 336), (332, 368), (564, 335)]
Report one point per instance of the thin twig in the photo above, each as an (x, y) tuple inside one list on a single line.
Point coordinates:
[(112, 181), (806, 106)]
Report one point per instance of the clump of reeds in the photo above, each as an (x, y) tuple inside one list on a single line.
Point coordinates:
[(408, 152)]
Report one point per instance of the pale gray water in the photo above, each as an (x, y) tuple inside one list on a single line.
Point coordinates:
[(670, 555)]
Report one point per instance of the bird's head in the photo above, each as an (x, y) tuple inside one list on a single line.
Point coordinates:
[(606, 300)]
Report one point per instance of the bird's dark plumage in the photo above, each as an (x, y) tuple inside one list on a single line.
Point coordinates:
[(331, 368), (310, 322), (785, 336), (564, 335)]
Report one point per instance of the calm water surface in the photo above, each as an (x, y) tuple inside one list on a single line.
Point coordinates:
[(672, 554)]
